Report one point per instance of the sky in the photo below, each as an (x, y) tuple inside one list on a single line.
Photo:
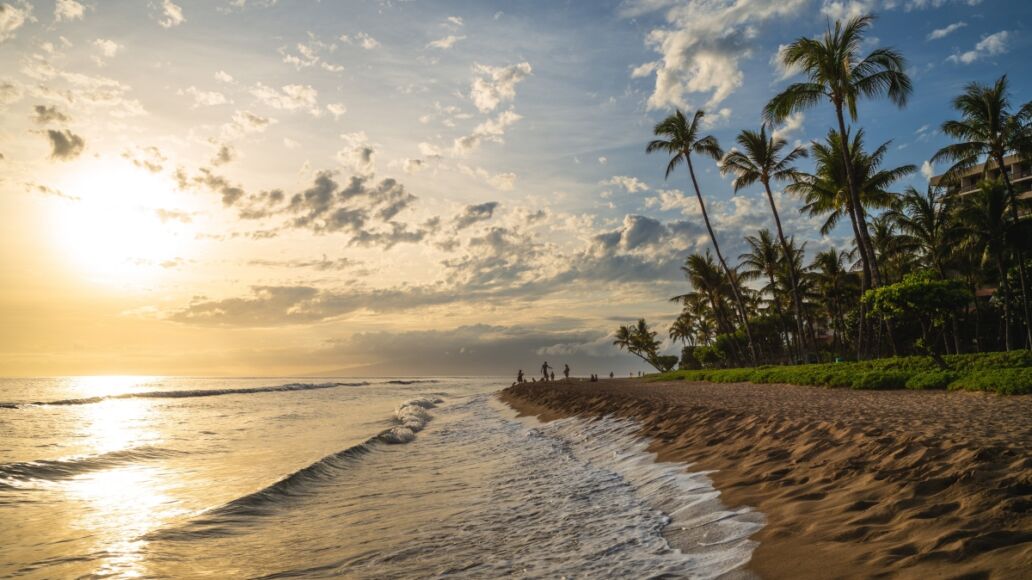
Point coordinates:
[(296, 187)]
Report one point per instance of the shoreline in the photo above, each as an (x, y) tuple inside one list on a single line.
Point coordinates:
[(851, 483)]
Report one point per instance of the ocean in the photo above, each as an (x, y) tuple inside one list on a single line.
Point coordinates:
[(360, 478)]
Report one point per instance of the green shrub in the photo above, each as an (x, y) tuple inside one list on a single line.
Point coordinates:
[(931, 380), (1013, 381), (880, 380)]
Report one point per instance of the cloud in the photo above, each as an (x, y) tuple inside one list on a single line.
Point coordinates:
[(9, 92), (630, 184), (359, 154), (337, 110), (475, 213), (946, 31), (13, 17), (989, 46), (171, 14), (224, 154), (309, 55), (505, 181), (106, 47), (454, 21), (289, 98), (362, 39), (49, 191), (927, 170), (494, 85), (224, 77), (446, 42), (149, 158), (490, 130), (65, 145), (673, 199), (245, 123), (846, 9), (701, 46), (323, 265), (792, 124), (172, 215), (204, 98), (68, 10), (44, 115), (229, 193)]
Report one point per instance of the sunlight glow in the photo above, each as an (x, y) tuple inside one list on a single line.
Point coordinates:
[(114, 233)]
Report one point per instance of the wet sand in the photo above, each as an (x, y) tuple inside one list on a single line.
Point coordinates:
[(853, 484)]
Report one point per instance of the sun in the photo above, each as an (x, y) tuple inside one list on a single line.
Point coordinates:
[(122, 228)]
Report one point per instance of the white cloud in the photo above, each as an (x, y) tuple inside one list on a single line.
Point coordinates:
[(989, 46), (846, 9), (13, 17), (790, 125), (204, 98), (493, 85), (106, 47), (359, 154), (446, 42), (171, 14), (68, 10), (455, 21), (289, 97), (672, 200), (630, 184), (223, 77), (490, 130), (245, 123), (362, 39), (927, 170), (337, 110), (946, 31), (701, 46), (603, 160), (502, 181)]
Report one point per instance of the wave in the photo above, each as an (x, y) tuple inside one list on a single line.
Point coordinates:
[(54, 469), (188, 394), (410, 418)]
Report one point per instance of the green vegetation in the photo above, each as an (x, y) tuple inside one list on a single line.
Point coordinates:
[(1006, 373), (929, 277)]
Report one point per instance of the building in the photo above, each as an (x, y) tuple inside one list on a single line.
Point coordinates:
[(1019, 172)]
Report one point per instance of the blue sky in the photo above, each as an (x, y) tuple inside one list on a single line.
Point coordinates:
[(260, 186)]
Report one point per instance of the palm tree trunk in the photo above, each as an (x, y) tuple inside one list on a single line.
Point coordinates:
[(865, 283), (1020, 254), (796, 301), (780, 313), (867, 253), (1004, 291), (727, 272)]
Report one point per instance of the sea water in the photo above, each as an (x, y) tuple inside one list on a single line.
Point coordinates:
[(360, 478)]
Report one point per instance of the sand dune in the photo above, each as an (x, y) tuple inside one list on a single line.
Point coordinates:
[(853, 483)]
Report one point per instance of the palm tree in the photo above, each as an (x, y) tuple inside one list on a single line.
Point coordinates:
[(835, 71), (988, 130), (683, 329), (680, 138), (983, 219), (706, 278), (836, 286), (760, 160), (927, 225), (639, 340), (764, 260)]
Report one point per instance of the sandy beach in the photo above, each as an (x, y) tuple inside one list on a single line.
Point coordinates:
[(900, 484)]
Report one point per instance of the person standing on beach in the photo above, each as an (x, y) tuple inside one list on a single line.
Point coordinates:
[(519, 376), (566, 371), (552, 376), (544, 370)]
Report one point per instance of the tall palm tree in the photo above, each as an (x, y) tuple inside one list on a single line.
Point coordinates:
[(706, 278), (983, 218), (680, 138), (987, 132), (761, 160), (764, 260), (639, 340), (837, 287), (837, 73), (928, 225), (824, 192), (683, 329)]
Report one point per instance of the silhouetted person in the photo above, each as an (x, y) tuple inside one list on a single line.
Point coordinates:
[(610, 374), (519, 376), (544, 370), (552, 376), (566, 371)]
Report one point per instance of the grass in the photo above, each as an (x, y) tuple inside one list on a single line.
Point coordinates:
[(1005, 373)]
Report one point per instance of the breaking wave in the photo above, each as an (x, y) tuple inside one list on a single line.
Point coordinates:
[(410, 417), (54, 469), (188, 393)]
